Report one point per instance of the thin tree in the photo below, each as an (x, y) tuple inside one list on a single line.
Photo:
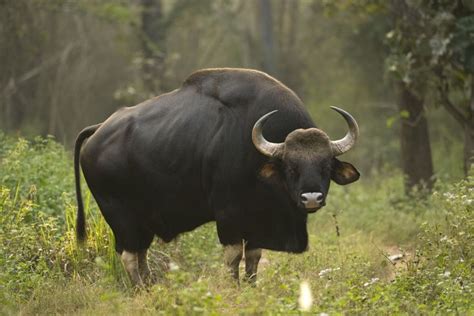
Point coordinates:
[(415, 148), (153, 45)]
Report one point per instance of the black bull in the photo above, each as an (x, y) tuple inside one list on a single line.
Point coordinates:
[(177, 161)]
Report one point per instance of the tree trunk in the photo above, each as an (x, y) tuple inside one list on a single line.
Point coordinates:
[(415, 141), (154, 46), (469, 133), (268, 46)]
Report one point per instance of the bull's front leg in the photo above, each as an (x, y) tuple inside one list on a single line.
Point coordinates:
[(131, 264), (252, 257), (232, 257)]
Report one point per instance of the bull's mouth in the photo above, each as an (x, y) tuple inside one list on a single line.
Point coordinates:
[(314, 209)]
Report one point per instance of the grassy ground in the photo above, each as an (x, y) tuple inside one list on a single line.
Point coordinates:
[(347, 266)]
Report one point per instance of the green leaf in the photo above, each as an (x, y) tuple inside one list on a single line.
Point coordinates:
[(391, 120), (404, 114)]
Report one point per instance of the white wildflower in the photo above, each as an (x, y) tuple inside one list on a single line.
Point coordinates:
[(390, 34), (396, 257), (326, 271), (173, 266), (372, 281), (131, 90), (449, 196)]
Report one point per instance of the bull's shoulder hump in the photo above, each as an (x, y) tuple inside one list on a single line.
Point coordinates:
[(231, 86), (200, 76)]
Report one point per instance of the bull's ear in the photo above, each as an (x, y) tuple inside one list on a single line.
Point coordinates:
[(271, 174), (343, 172), (269, 171)]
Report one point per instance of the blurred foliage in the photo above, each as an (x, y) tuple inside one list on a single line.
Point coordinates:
[(432, 54), (428, 46), (430, 39), (117, 11), (68, 64), (57, 71)]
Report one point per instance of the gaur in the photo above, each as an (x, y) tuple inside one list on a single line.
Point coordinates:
[(234, 146)]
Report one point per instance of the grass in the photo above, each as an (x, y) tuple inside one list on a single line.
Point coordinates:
[(45, 272)]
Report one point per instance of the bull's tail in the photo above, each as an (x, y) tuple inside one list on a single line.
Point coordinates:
[(81, 220)]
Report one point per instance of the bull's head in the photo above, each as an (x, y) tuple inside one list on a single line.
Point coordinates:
[(305, 163)]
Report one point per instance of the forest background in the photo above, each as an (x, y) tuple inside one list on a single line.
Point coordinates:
[(402, 68)]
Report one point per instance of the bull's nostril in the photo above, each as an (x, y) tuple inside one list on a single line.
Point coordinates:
[(320, 198), (303, 198)]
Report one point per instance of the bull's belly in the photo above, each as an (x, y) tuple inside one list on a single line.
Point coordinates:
[(164, 207)]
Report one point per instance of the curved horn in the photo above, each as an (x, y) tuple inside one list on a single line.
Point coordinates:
[(265, 147), (344, 144)]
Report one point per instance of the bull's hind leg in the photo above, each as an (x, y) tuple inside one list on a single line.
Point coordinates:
[(252, 257), (131, 263), (232, 256), (132, 239), (143, 268)]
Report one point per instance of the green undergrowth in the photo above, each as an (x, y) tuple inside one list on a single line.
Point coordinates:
[(44, 271)]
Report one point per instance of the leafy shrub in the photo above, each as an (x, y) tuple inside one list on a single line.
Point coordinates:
[(441, 273), (439, 277), (37, 219), (28, 243), (42, 167)]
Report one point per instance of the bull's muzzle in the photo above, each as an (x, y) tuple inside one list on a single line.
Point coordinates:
[(312, 201)]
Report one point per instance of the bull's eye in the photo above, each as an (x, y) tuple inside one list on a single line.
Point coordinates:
[(293, 171), (325, 173), (325, 170)]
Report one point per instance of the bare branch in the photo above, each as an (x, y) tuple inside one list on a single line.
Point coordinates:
[(443, 89), (13, 83), (451, 108)]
